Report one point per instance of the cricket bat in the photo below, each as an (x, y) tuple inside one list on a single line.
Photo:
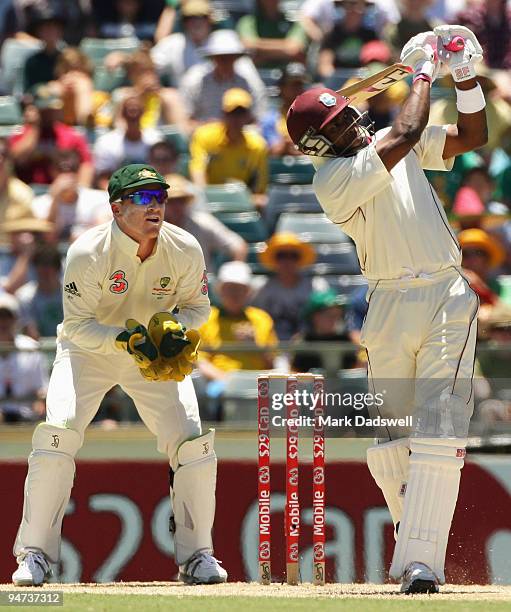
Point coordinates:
[(375, 84)]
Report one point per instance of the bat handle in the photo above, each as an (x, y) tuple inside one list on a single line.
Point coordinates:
[(457, 43)]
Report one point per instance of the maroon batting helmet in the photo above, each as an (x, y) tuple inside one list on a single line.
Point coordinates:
[(310, 112)]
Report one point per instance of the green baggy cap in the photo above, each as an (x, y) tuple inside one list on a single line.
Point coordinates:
[(133, 175)]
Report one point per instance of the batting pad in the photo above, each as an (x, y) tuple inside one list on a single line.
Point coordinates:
[(193, 498), (51, 471), (388, 464), (431, 495)]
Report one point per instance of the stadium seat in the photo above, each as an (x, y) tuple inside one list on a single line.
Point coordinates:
[(175, 137), (341, 75), (288, 169), (345, 284), (315, 228), (10, 112), (231, 197), (12, 61), (108, 80), (248, 225), (291, 199), (240, 396), (39, 188), (252, 258), (336, 259), (98, 48)]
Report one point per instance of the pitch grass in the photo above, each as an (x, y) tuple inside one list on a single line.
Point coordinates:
[(85, 602)]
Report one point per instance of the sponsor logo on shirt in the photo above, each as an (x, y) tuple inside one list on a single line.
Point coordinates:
[(72, 289), (204, 281), (161, 287), (120, 284)]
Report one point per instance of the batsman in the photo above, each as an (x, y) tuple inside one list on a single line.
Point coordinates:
[(135, 291), (420, 328)]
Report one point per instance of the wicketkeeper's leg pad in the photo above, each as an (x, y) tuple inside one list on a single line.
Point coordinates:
[(388, 464), (194, 496), (430, 500), (51, 470)]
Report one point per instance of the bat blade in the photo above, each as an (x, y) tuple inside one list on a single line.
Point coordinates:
[(375, 84)]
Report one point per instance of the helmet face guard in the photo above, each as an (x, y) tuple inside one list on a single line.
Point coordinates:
[(316, 144)]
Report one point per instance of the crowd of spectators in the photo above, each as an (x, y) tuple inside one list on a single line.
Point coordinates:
[(200, 90)]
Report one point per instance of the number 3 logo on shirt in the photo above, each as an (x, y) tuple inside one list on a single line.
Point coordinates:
[(121, 284)]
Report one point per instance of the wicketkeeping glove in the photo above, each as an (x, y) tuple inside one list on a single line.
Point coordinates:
[(135, 339), (460, 63), (178, 348), (420, 54)]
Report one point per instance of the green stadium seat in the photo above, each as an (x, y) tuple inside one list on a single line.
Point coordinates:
[(13, 56), (291, 199), (289, 169), (109, 80), (231, 197), (172, 134), (248, 225), (98, 48), (240, 396), (10, 112), (254, 249), (39, 188), (344, 284), (315, 228), (336, 258)]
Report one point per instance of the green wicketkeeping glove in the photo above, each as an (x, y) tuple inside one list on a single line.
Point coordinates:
[(136, 340)]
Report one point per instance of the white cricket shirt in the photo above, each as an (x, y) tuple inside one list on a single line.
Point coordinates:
[(105, 283), (395, 218)]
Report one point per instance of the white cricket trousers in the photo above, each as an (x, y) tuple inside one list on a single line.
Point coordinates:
[(420, 335), (78, 383), (80, 379)]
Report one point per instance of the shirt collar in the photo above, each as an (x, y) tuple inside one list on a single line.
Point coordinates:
[(123, 241)]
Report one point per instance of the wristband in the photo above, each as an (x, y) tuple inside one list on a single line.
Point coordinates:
[(422, 77), (470, 100)]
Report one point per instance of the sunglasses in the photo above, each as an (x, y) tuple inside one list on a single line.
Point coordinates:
[(293, 255), (145, 197)]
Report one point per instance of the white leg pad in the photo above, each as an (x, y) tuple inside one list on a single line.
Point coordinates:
[(51, 470), (430, 500), (193, 498), (388, 464)]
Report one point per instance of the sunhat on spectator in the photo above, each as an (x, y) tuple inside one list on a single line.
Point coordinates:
[(286, 241), (10, 303), (237, 272), (223, 42), (479, 239)]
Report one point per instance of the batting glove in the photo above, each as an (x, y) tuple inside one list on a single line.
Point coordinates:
[(136, 341), (420, 54), (460, 63)]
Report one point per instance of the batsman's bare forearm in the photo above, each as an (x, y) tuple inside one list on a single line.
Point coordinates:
[(407, 127)]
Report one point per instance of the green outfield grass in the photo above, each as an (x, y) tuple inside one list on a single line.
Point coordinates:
[(112, 603)]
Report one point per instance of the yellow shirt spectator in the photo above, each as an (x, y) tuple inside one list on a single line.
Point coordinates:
[(246, 160), (252, 325)]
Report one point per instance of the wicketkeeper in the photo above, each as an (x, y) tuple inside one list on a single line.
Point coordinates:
[(135, 291)]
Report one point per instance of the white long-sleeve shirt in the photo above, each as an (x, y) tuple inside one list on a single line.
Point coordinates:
[(105, 283), (395, 218)]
